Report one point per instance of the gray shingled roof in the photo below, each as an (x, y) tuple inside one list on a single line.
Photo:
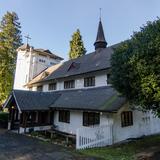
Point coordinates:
[(30, 100), (44, 51), (98, 60), (96, 99), (48, 52), (100, 40)]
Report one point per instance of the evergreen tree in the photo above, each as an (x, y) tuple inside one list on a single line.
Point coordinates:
[(76, 46), (10, 40)]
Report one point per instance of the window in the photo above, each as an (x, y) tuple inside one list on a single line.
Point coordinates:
[(91, 118), (41, 60), (39, 88), (69, 84), (52, 86), (52, 63), (30, 88), (109, 79), (64, 116), (126, 118), (89, 81)]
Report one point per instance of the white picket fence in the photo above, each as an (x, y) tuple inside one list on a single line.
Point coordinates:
[(96, 136)]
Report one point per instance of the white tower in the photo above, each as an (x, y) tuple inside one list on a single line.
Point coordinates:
[(30, 62)]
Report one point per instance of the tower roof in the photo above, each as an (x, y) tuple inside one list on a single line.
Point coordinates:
[(100, 40), (24, 47)]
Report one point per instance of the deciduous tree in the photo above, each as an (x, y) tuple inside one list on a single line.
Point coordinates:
[(136, 67)]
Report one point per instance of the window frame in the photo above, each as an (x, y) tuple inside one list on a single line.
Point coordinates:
[(64, 116), (38, 88), (69, 84), (52, 86), (89, 81), (126, 118), (91, 118)]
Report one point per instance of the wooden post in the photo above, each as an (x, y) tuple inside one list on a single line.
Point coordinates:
[(25, 121), (67, 140)]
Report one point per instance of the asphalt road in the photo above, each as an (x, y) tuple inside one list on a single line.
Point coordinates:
[(20, 147)]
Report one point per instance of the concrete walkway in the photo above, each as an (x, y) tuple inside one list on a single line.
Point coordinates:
[(20, 147)]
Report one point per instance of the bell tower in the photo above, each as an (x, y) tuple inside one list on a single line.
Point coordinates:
[(30, 62), (100, 39)]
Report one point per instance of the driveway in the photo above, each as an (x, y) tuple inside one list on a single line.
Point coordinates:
[(20, 147)]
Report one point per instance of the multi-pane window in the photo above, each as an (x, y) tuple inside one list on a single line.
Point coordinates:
[(52, 86), (91, 118), (42, 60), (108, 79), (40, 88), (126, 118), (89, 81), (69, 84), (52, 63), (64, 116)]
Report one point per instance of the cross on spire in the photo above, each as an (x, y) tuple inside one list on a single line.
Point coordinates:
[(100, 11), (27, 37)]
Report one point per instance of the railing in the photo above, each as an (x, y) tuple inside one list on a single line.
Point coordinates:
[(90, 137)]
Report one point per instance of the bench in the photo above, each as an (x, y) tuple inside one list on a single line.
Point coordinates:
[(66, 135)]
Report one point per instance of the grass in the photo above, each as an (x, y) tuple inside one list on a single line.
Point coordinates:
[(125, 151)]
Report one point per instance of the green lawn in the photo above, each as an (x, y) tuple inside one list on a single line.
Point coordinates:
[(125, 151)]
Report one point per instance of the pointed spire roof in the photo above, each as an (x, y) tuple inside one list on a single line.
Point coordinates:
[(100, 40)]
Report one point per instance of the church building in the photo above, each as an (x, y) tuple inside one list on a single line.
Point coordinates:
[(74, 97)]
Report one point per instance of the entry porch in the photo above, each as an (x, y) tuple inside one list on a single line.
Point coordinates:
[(27, 121)]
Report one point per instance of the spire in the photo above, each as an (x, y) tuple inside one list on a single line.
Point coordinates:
[(100, 40)]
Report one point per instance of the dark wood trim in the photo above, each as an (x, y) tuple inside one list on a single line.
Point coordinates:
[(80, 109)]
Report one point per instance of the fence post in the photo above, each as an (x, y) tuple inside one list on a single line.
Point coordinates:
[(77, 139)]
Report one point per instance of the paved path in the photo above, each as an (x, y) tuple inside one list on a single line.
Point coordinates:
[(20, 147)]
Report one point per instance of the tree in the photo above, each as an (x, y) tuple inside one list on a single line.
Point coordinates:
[(136, 67), (76, 46), (10, 40)]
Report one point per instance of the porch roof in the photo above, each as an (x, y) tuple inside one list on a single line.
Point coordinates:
[(30, 100), (97, 99)]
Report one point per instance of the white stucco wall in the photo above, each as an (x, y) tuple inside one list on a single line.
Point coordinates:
[(76, 121), (60, 85), (100, 80), (144, 123), (22, 70), (28, 66), (45, 87), (79, 83)]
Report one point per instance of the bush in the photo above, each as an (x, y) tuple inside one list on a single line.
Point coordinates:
[(3, 119), (3, 116)]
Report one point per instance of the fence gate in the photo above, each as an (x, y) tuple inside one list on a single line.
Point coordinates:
[(90, 137)]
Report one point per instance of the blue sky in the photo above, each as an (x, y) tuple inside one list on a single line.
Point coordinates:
[(51, 23)]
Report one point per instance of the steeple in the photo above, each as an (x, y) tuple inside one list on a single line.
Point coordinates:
[(100, 40)]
